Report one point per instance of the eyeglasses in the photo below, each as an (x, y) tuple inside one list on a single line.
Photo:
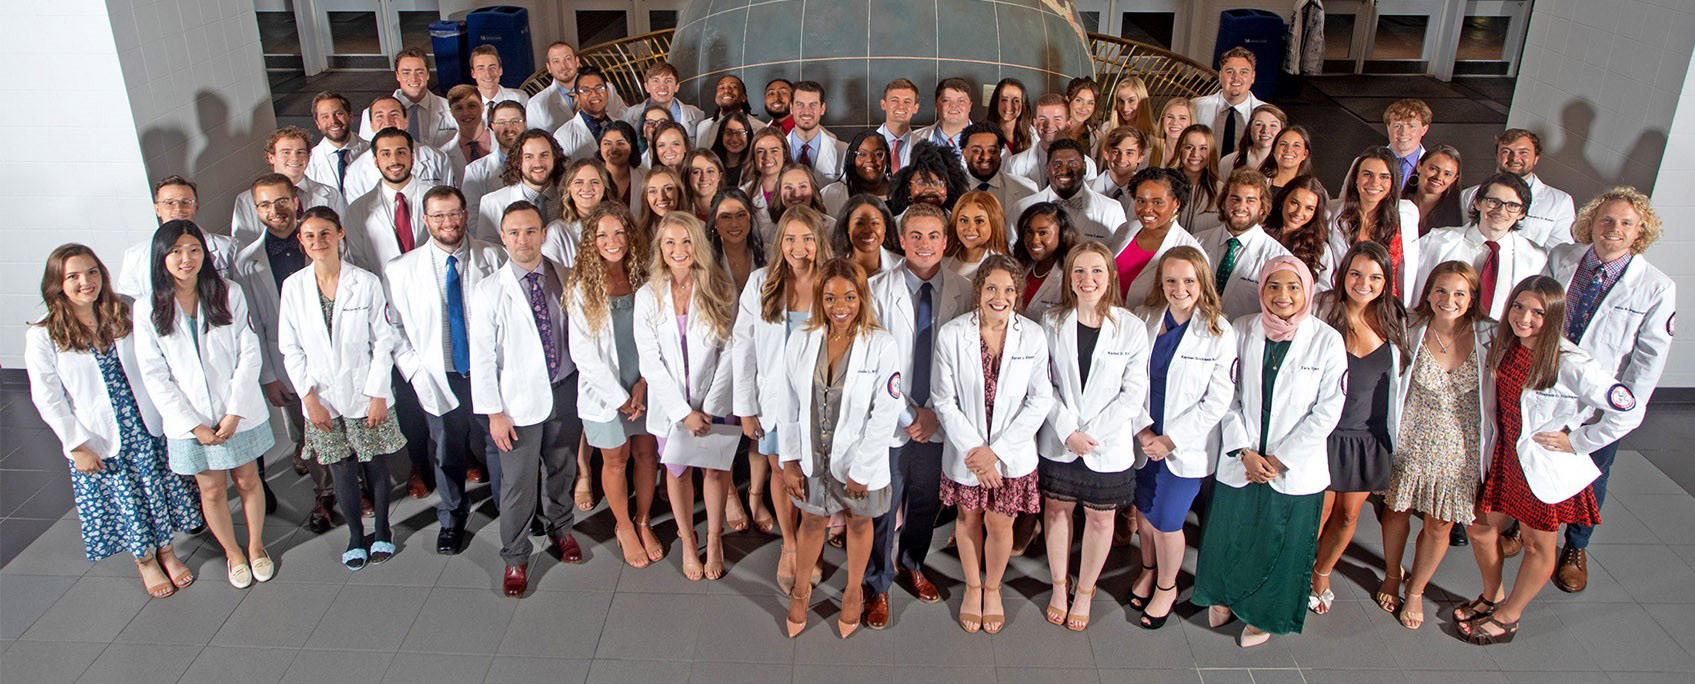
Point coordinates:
[(272, 204), (1491, 204), (580, 90), (735, 133), (877, 155), (177, 204), (445, 215)]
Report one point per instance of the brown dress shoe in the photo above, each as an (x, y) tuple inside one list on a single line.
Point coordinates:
[(877, 611), (416, 488), (319, 520), (474, 473), (921, 586), (1572, 575), (569, 551), (517, 580)]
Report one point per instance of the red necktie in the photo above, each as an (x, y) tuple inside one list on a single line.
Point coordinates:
[(1491, 270), (894, 155), (806, 154), (402, 223)]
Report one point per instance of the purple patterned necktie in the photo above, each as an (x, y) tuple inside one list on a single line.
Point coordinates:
[(544, 322)]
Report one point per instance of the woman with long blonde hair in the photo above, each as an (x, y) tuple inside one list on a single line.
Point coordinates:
[(612, 395), (1174, 116), (1131, 106), (683, 317)]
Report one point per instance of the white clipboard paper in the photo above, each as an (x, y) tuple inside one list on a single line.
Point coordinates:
[(715, 450)]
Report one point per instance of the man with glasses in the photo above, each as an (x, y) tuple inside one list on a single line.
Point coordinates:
[(555, 104), (430, 295), (1096, 216), (287, 151), (429, 118), (579, 136), (1492, 241), (486, 71), (333, 156), (483, 175), (810, 144), (1548, 223), (174, 199)]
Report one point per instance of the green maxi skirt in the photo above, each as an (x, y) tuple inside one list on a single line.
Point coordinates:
[(1257, 554)]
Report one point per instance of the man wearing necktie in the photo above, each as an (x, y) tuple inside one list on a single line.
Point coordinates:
[(1406, 122), (429, 117), (532, 172), (810, 144), (1238, 248), (899, 104), (1227, 110), (474, 138), (429, 293), (333, 156), (523, 379)]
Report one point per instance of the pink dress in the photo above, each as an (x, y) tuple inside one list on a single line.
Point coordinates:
[(1130, 263)]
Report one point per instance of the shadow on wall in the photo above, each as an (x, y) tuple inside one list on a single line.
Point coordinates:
[(1574, 171), (212, 151)]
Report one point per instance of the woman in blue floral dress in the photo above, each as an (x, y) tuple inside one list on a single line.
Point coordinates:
[(87, 386)]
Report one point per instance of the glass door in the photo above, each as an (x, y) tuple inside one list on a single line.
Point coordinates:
[(1488, 39), (1440, 38)]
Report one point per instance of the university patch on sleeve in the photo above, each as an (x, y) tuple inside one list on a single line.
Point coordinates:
[(894, 385), (1621, 398)]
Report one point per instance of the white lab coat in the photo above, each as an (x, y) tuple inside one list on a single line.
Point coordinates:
[(501, 94), (1095, 216), (1520, 258), (420, 316), (1342, 240), (348, 366), (761, 209), (1023, 396), (870, 406), (321, 165), (253, 272), (436, 125), (1483, 336), (1584, 388), (493, 204), (1241, 293), (1209, 110), (481, 177), (430, 167), (1199, 390), (1148, 278), (1112, 407), (1630, 333), (827, 159), (371, 241), (70, 393), (576, 140), (896, 311), (550, 108), (1032, 165), (600, 392), (199, 386), (1048, 295), (1548, 220), (757, 354), (1011, 191), (664, 355), (1307, 403), (136, 271), (560, 243), (508, 366), (834, 196), (246, 227)]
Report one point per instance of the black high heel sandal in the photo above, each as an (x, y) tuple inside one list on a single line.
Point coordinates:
[(1150, 622), (1138, 601)]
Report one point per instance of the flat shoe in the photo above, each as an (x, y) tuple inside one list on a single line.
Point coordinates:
[(355, 559), (241, 576), (264, 569), (381, 551)]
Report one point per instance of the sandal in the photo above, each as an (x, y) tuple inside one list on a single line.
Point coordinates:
[(1474, 631), (735, 517), (762, 518), (161, 590), (692, 569), (992, 622), (182, 580), (786, 582), (1412, 611), (381, 551), (1151, 622), (1073, 621), (1319, 602), (1479, 607), (650, 542), (355, 559), (1057, 615), (714, 560), (971, 622), (583, 493), (1390, 603), (1138, 601), (631, 546)]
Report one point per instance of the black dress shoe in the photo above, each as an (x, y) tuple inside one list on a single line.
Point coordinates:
[(319, 520), (1457, 536), (270, 500), (536, 528), (447, 541)]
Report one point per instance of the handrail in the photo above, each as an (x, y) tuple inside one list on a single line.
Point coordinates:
[(1166, 73)]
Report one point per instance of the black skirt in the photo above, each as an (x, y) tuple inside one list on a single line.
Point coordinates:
[(1359, 462), (1075, 482)]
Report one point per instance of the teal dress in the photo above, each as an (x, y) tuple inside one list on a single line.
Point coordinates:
[(611, 434), (1258, 546)]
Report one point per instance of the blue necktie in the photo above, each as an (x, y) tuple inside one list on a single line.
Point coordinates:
[(1586, 306), (924, 347), (341, 170), (457, 341)]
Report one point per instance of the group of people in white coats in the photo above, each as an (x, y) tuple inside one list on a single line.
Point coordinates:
[(886, 329)]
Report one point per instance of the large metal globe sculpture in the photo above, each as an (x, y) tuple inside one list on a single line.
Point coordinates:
[(855, 47)]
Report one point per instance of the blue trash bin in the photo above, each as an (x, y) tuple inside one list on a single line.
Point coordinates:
[(507, 28), (453, 58), (1262, 33)]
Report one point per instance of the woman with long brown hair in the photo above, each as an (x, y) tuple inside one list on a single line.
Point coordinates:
[(1010, 111), (1290, 157), (1300, 221), (978, 230), (1254, 147), (85, 382), (768, 156), (1371, 209), (1437, 194)]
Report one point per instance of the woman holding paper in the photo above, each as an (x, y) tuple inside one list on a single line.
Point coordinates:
[(836, 408), (683, 318)]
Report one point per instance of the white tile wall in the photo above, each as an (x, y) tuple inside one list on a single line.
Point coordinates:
[(144, 89), (1674, 199)]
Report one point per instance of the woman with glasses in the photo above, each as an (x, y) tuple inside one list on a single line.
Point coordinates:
[(865, 171)]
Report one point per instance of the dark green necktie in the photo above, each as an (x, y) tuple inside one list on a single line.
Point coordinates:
[(1227, 264)]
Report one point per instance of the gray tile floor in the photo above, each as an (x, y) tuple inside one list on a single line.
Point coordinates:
[(429, 618)]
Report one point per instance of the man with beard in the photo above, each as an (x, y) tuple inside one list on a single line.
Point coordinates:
[(934, 177), (430, 296), (1240, 247), (429, 118), (483, 175), (1517, 152), (333, 156), (810, 144), (778, 93), (579, 136), (554, 105), (730, 95), (429, 164), (531, 174), (1052, 118), (271, 258), (983, 145), (1095, 216), (289, 154)]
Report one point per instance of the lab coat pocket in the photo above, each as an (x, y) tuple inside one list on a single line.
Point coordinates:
[(1554, 476)]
